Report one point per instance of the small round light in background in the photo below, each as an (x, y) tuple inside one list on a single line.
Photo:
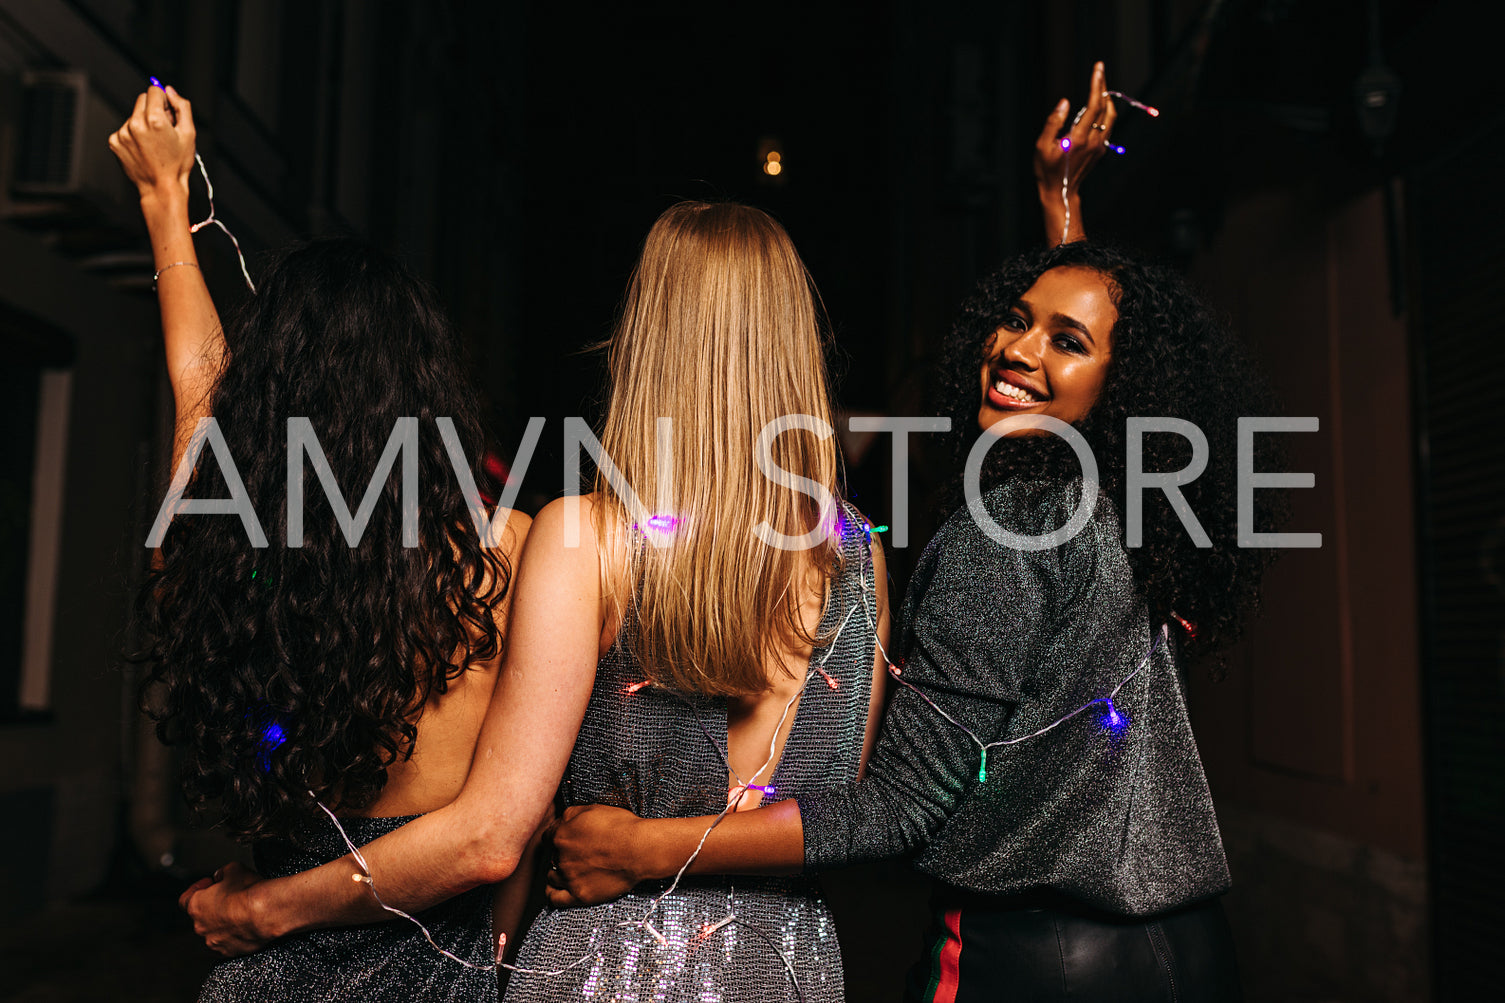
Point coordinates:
[(771, 160)]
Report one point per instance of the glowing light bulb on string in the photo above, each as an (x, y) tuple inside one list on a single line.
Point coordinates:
[(1113, 719), (1147, 109), (272, 737)]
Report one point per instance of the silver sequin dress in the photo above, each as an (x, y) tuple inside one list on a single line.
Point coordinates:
[(383, 962), (661, 755)]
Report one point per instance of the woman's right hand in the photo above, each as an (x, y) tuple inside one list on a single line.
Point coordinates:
[(222, 911), (155, 146)]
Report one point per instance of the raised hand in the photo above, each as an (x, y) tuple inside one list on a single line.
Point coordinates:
[(155, 146), (1064, 154)]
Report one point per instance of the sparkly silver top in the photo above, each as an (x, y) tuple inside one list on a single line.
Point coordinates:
[(661, 754), (382, 962), (1114, 814)]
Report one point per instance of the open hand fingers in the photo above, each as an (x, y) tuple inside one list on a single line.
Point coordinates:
[(1083, 125), (1110, 116), (1102, 130), (1054, 123)]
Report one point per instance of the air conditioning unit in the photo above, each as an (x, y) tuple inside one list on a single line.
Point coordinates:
[(61, 160)]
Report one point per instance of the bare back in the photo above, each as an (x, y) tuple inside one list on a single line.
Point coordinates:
[(450, 722)]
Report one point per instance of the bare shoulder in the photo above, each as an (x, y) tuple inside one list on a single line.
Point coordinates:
[(566, 519), (509, 528), (562, 537)]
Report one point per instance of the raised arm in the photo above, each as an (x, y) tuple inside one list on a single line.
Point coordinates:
[(1088, 138), (535, 713), (155, 147)]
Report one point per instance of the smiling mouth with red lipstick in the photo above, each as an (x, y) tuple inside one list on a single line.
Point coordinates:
[(1049, 353), (1008, 390)]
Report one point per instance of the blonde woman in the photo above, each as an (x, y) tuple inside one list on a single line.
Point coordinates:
[(704, 621)]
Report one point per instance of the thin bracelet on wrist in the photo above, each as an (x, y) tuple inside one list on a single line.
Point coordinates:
[(158, 274)]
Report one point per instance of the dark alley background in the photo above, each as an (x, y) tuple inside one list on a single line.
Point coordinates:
[(1328, 172)]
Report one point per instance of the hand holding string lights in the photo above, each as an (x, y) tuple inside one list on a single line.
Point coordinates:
[(1065, 153), (156, 147)]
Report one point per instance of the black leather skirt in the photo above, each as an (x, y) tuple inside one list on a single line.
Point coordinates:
[(986, 949)]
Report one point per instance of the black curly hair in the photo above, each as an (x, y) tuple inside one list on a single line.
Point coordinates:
[(1170, 356), (284, 670)]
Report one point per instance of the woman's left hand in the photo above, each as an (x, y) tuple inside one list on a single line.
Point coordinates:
[(594, 854), (223, 913), (1061, 169)]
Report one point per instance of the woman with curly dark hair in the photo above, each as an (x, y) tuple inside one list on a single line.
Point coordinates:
[(348, 670), (1037, 755)]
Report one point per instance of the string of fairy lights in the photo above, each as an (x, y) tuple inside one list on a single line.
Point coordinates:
[(1114, 720), (1065, 142), (212, 219), (734, 798)]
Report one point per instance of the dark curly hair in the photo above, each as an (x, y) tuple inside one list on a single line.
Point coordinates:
[(1171, 357), (284, 670)]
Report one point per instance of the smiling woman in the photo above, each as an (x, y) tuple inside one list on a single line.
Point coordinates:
[(1037, 757), (1050, 354)]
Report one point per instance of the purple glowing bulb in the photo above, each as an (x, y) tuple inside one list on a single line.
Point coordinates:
[(1065, 142)]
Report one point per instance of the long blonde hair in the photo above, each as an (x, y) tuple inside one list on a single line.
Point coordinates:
[(718, 333)]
